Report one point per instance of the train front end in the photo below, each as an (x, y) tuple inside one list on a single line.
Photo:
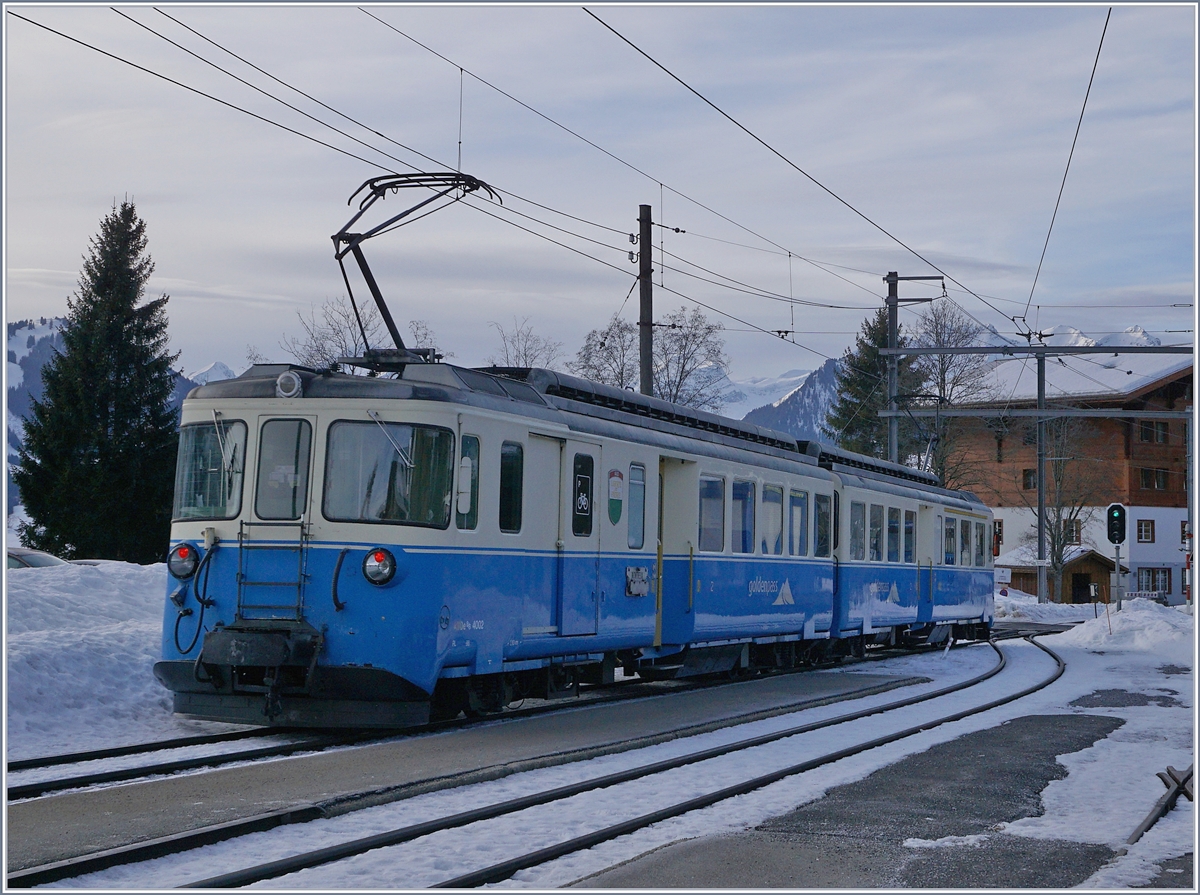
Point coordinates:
[(287, 603)]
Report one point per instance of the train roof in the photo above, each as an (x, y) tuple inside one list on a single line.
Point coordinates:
[(553, 391)]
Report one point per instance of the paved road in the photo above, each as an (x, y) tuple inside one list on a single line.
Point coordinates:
[(68, 825), (853, 837)]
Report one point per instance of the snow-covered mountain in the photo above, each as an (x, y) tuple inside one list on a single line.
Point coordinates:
[(214, 372), (743, 395), (801, 411)]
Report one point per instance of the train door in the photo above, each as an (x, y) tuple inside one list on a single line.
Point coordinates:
[(579, 603), (675, 570), (543, 529), (929, 533), (273, 542)]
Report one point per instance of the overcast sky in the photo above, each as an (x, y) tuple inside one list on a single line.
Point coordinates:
[(948, 126)]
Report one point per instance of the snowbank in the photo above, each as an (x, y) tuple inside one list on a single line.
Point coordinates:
[(1141, 624), (1017, 605), (82, 643)]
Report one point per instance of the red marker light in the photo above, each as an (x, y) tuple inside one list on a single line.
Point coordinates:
[(380, 556), (184, 552)]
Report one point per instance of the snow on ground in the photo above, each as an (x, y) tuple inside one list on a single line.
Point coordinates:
[(68, 690), (81, 644)]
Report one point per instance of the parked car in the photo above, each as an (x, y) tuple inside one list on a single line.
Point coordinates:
[(25, 558)]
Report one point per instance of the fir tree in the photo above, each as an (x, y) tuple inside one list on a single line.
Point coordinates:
[(97, 465), (853, 421)]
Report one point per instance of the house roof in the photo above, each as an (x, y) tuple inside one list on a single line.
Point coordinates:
[(1094, 377), (1024, 557)]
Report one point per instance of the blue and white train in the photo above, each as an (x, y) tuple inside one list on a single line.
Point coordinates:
[(353, 551)]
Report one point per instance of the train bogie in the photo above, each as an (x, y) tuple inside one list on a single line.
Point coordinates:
[(358, 550)]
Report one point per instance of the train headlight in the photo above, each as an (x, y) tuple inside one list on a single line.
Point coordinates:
[(379, 566), (182, 561), (289, 385)]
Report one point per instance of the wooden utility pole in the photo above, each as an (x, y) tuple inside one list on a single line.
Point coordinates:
[(646, 317), (893, 362)]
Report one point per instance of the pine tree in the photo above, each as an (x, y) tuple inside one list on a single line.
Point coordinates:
[(853, 421), (98, 462)]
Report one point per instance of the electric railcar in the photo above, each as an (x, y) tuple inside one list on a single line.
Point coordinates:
[(372, 552)]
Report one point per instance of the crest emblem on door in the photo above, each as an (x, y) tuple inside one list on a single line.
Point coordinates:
[(616, 494)]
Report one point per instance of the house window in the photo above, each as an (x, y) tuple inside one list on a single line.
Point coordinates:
[(1029, 479), (1157, 580), (997, 536), (1153, 431), (1154, 479), (1145, 531), (1029, 436), (1071, 531)]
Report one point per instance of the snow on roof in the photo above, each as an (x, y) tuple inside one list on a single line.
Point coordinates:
[(1081, 376), (1025, 556)]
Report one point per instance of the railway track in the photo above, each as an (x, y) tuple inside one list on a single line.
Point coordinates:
[(28, 778), (346, 849)]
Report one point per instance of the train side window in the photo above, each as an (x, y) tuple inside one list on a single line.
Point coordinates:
[(512, 470), (389, 472), (470, 453), (821, 524), (876, 533), (910, 536), (798, 523), (951, 540), (637, 506), (893, 535), (837, 519), (281, 491), (772, 542), (858, 529), (964, 556), (980, 535), (743, 517), (712, 514), (581, 501)]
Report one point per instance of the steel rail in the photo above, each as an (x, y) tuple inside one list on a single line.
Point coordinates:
[(47, 761), (33, 790), (505, 869), (344, 850)]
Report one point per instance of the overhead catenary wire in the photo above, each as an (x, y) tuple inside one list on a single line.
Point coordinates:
[(784, 158), (601, 149), (1070, 156)]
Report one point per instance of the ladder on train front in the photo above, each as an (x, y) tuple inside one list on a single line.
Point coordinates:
[(266, 588)]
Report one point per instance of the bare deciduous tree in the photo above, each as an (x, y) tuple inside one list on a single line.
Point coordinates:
[(610, 355), (334, 334), (690, 360), (423, 337), (522, 347), (953, 379), (1073, 487)]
